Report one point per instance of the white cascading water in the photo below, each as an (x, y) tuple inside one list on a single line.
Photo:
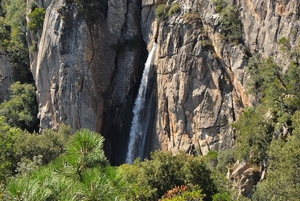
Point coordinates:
[(137, 132)]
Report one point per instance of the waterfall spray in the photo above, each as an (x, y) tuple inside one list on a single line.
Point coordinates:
[(137, 130)]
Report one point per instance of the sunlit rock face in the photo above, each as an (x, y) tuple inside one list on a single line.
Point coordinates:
[(201, 80), (87, 73)]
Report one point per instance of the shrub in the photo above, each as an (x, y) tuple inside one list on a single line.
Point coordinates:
[(231, 26), (7, 157), (220, 5), (21, 110), (225, 158), (174, 8), (149, 180), (181, 193), (205, 42), (284, 43), (191, 16), (49, 144), (160, 12), (254, 134), (36, 19), (33, 47), (221, 197)]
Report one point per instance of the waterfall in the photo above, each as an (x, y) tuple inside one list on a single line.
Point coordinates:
[(139, 127)]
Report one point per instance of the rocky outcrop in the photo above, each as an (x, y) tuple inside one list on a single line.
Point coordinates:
[(244, 177), (6, 77)]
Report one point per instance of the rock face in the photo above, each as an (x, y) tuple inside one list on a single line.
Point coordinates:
[(6, 79), (244, 177), (200, 78), (87, 72)]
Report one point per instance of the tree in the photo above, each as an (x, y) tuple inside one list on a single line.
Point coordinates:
[(49, 144), (36, 19), (151, 179), (7, 158), (14, 28), (79, 174), (254, 134), (21, 110), (283, 178)]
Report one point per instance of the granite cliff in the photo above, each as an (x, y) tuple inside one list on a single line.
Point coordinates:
[(87, 72)]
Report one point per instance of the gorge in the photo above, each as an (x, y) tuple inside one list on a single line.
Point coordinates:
[(87, 67), (169, 75)]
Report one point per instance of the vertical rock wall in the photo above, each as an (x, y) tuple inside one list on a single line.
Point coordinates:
[(85, 71), (6, 77), (200, 79)]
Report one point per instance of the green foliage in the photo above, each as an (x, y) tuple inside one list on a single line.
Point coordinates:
[(221, 197), (97, 185), (82, 173), (254, 134), (26, 165), (24, 152), (36, 19), (278, 98), (4, 33), (21, 110), (85, 150), (220, 5), (160, 12), (231, 26), (205, 42), (13, 38), (225, 159), (79, 174), (268, 82), (180, 193), (33, 47), (49, 144), (149, 180), (174, 8), (284, 43), (283, 179), (7, 158)]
